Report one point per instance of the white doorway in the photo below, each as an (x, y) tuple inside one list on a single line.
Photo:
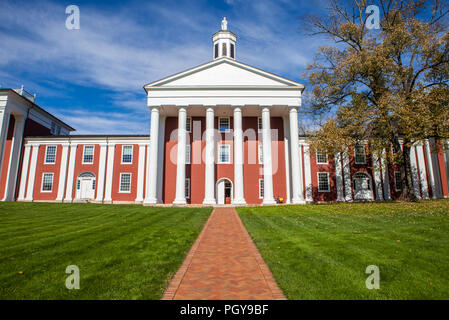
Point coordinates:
[(85, 186), (224, 191), (363, 188)]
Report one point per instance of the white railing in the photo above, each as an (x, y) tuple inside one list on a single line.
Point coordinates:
[(26, 94)]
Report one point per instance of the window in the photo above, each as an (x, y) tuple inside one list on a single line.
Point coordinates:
[(88, 154), (127, 154), (187, 186), (50, 154), (188, 154), (47, 182), (261, 188), (397, 181), (321, 157), (125, 182), (323, 182), (259, 123), (260, 154), (224, 153), (78, 184), (223, 124), (360, 156), (232, 50), (216, 50), (188, 124), (362, 181), (93, 184), (224, 51)]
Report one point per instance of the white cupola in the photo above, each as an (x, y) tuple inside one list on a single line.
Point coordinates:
[(224, 42)]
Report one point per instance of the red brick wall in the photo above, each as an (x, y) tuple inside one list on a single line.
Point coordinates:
[(329, 168), (6, 156), (125, 168), (41, 168)]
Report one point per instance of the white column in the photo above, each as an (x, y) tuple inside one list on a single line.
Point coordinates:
[(4, 124), (377, 177), (109, 173), (307, 173), (297, 194), (10, 188), (160, 160), (25, 166), (422, 171), (181, 158), (339, 177), (267, 165), (32, 175), (209, 176), (239, 197), (101, 172), (141, 172), (433, 184), (347, 176), (287, 159), (415, 173), (70, 173), (63, 172), (151, 182), (385, 176)]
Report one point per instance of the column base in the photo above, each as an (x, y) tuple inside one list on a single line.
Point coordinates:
[(209, 202), (150, 202), (240, 202), (298, 201), (179, 202), (268, 202)]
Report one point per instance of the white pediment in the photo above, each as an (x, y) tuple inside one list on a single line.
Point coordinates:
[(224, 73)]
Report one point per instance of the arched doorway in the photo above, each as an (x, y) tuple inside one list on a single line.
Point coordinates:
[(224, 191), (363, 187), (85, 186)]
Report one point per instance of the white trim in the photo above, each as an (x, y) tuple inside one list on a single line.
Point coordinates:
[(32, 174), (304, 151), (23, 178), (328, 181), (42, 182), (132, 151), (71, 173), (109, 173), (101, 173), (62, 172), (140, 173), (339, 177), (120, 182), (229, 124), (228, 146), (327, 157), (93, 153), (46, 153)]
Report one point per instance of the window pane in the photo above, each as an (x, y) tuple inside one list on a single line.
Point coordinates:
[(224, 156), (125, 182), (187, 186), (188, 124), (188, 154), (360, 154), (88, 156), (259, 123), (232, 50), (260, 154), (224, 51), (321, 157), (127, 154), (47, 182), (261, 188), (50, 156), (223, 124), (216, 50), (323, 181), (397, 181)]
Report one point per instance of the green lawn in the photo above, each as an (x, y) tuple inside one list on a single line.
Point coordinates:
[(322, 251), (122, 251)]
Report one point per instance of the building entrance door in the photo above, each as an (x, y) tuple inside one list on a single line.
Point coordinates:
[(224, 191)]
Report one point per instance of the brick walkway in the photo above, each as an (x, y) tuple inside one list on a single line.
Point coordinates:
[(223, 264)]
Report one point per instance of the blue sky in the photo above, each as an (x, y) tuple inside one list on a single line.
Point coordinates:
[(93, 77)]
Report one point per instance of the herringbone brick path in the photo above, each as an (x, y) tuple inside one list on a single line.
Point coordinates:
[(223, 264)]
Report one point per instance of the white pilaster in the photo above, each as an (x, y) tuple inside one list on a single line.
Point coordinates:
[(109, 173), (152, 164), (25, 166), (181, 158), (160, 159), (4, 125), (297, 194), (377, 177), (267, 158), (385, 176), (101, 172), (32, 175), (307, 172), (422, 171), (433, 184), (339, 177), (209, 176), (141, 172), (415, 173), (239, 197), (10, 188), (70, 173), (347, 177), (287, 139), (62, 172)]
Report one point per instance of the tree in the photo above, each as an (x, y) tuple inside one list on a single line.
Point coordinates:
[(387, 86)]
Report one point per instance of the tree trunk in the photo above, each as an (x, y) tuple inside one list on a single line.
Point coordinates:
[(407, 193)]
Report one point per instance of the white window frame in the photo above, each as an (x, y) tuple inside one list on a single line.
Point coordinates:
[(120, 182), (325, 154), (328, 181), (228, 146), (259, 124), (46, 153), (229, 124), (132, 150), (364, 154), (52, 181), (93, 153), (261, 188), (188, 154), (260, 153), (187, 188), (189, 124), (396, 182)]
